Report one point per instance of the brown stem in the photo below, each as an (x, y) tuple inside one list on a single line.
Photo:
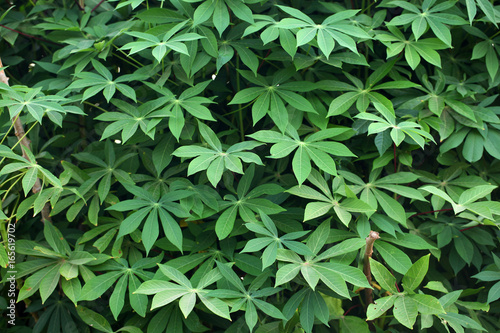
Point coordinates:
[(372, 237), (25, 146)]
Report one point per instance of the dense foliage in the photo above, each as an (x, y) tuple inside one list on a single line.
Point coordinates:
[(231, 165)]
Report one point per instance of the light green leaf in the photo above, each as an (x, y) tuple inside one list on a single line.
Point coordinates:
[(316, 209), (379, 307), (96, 286), (225, 222), (405, 311), (394, 257), (391, 207), (416, 273), (427, 304), (287, 273), (383, 276), (216, 306), (301, 165)]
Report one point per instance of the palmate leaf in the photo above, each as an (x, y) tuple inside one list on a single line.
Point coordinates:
[(101, 82), (214, 159), (271, 241), (159, 210), (309, 149), (160, 48), (432, 18), (247, 204), (167, 292), (220, 13), (273, 96), (334, 28)]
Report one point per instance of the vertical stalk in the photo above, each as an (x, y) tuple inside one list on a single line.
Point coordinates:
[(372, 237)]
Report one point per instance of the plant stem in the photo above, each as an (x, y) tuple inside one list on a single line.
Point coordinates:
[(395, 163), (433, 211), (372, 237)]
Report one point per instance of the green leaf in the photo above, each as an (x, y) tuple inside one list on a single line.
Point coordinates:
[(310, 275), (461, 320), (49, 282), (96, 286), (167, 296), (405, 311), (268, 309), (138, 302), (391, 207), (427, 304), (319, 237), (394, 257), (187, 303), (350, 274), (216, 306), (230, 276), (225, 222), (342, 103), (29, 179), (117, 299), (473, 147), (301, 165), (171, 228), (307, 313), (416, 273), (209, 136), (55, 239), (347, 246), (379, 307), (251, 316), (333, 280), (94, 319), (494, 293), (286, 273), (461, 108), (353, 324), (475, 193), (383, 276), (132, 222), (72, 289), (162, 154)]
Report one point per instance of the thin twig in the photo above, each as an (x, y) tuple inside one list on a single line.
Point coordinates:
[(432, 211), (25, 146), (395, 163), (97, 6), (28, 35)]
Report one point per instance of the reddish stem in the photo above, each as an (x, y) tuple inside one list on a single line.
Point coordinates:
[(97, 6), (263, 60), (479, 225), (433, 211), (27, 35), (352, 307), (395, 164)]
